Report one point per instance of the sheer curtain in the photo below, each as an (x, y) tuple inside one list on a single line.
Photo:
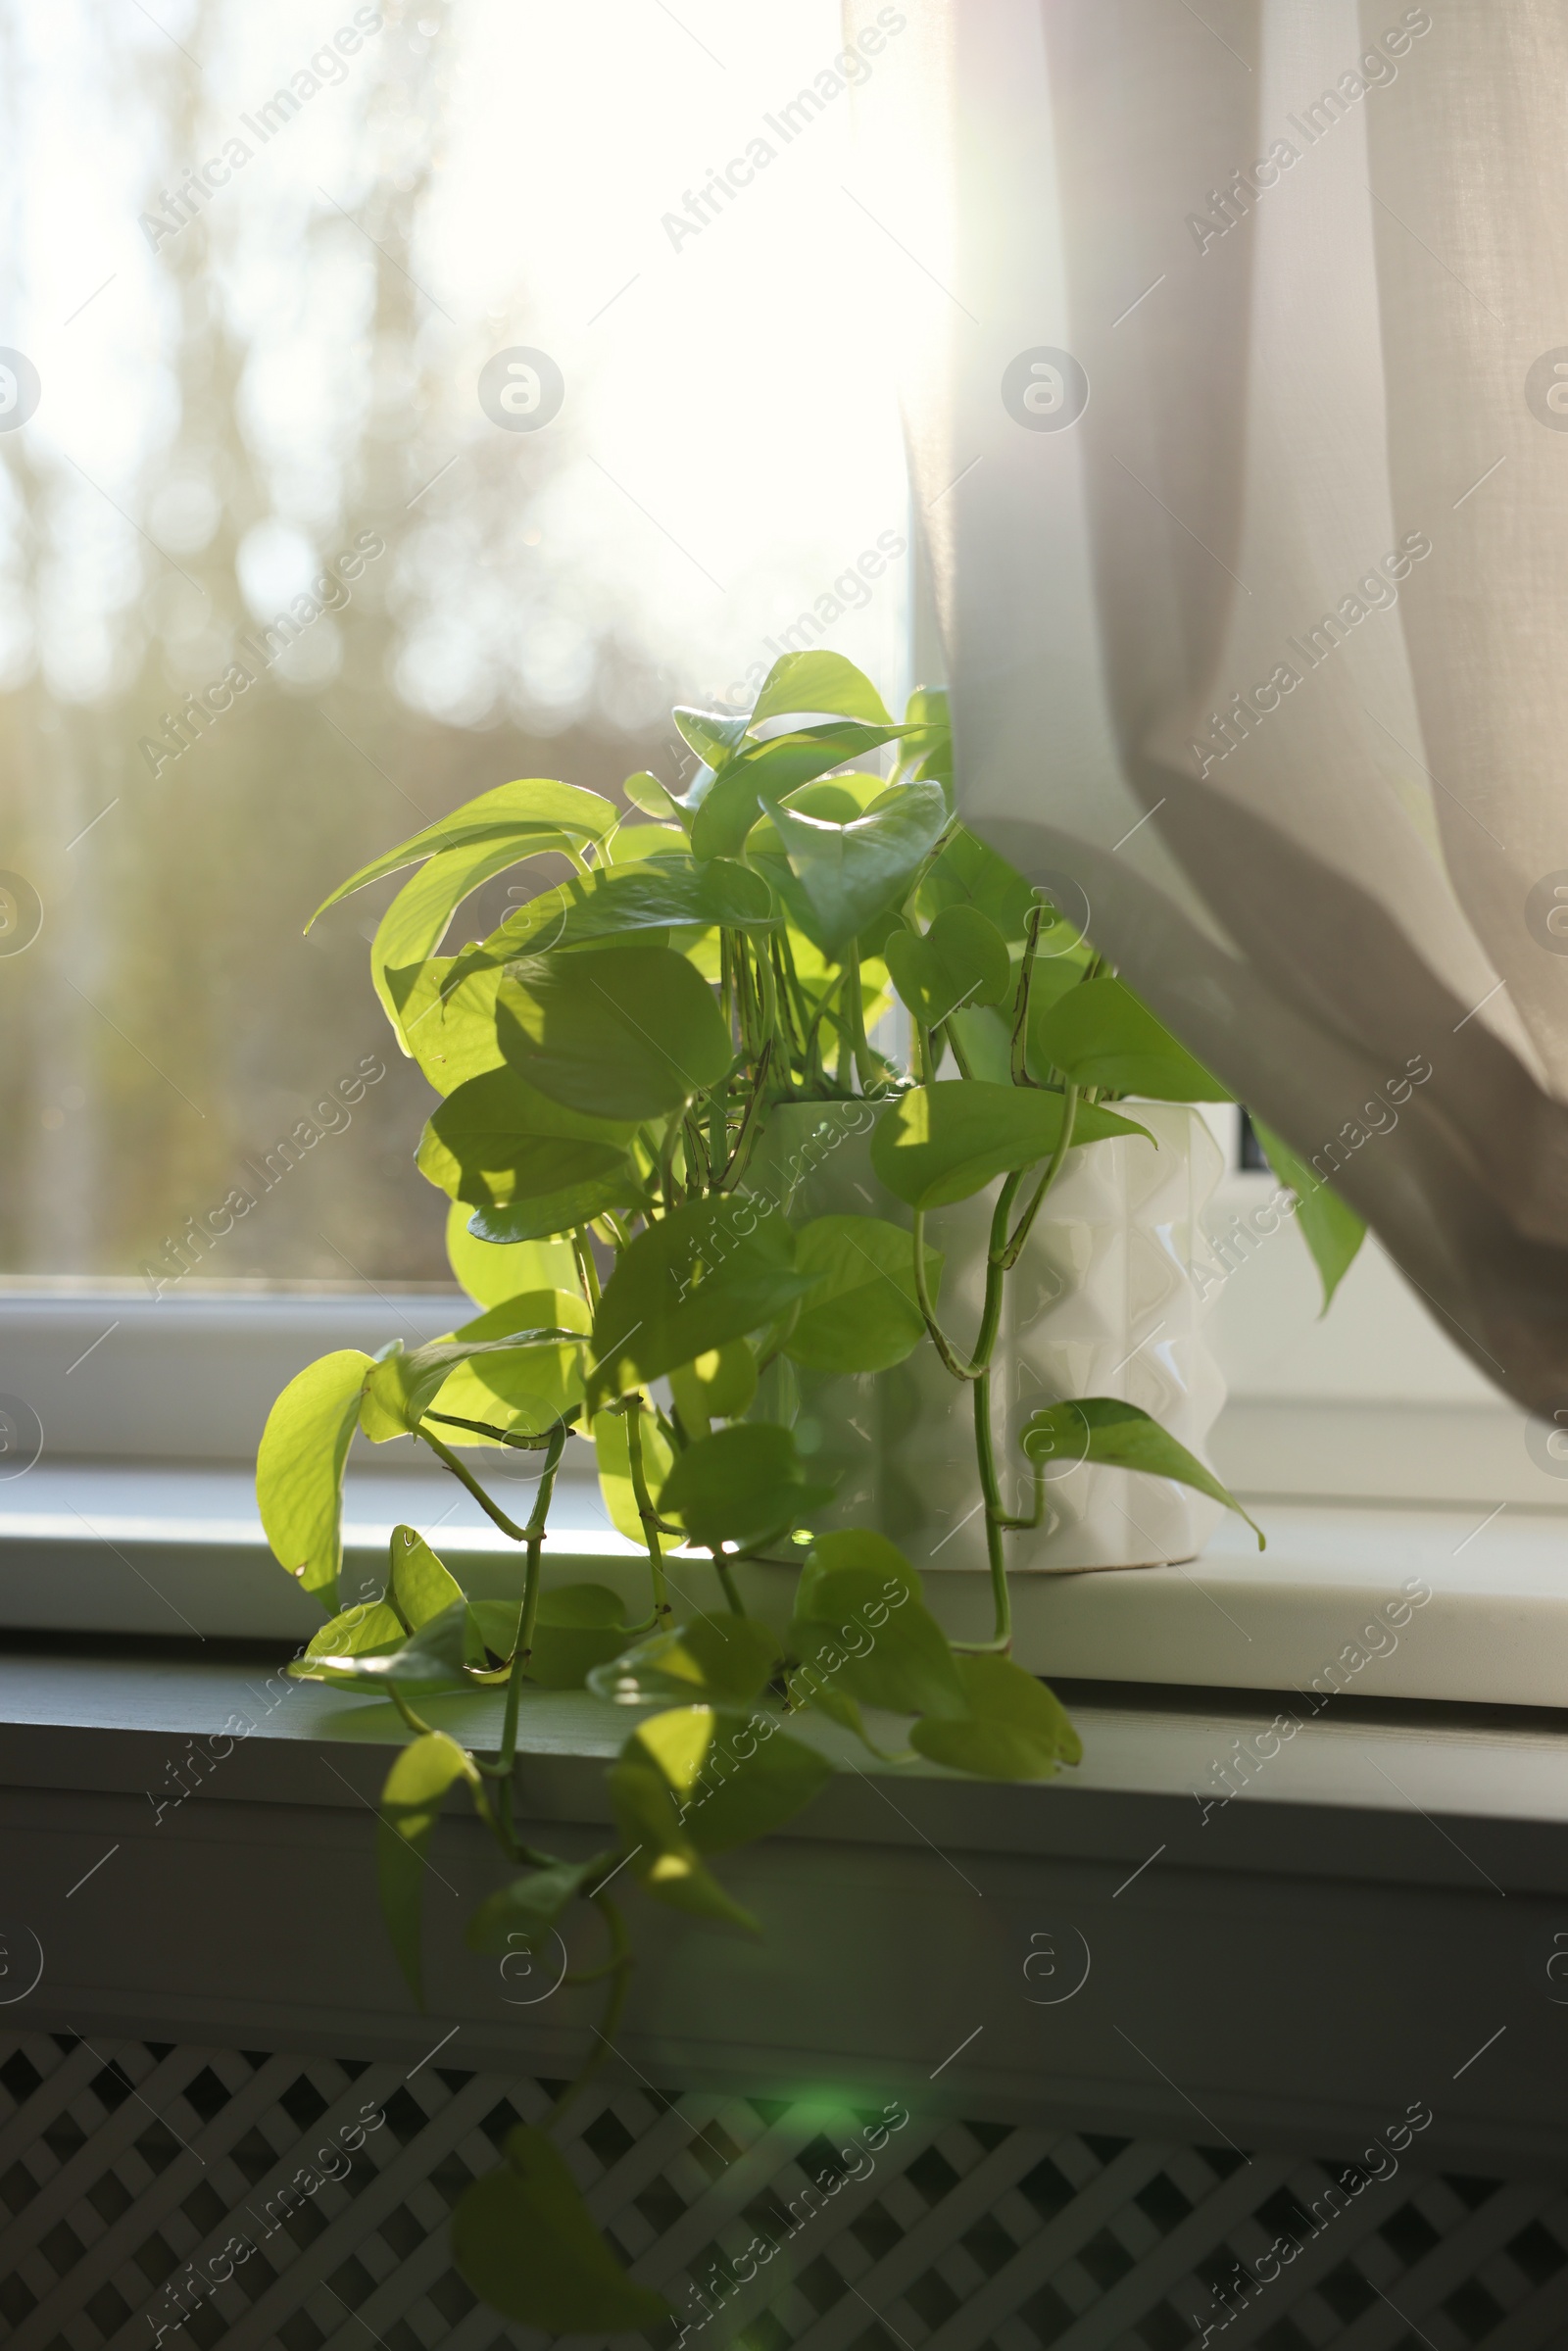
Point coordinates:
[(1235, 343)]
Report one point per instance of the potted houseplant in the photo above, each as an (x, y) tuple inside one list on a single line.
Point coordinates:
[(691, 1192)]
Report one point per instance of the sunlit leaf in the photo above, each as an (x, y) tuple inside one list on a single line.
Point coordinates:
[(735, 1777), (969, 874), (523, 2239), (421, 1585), (861, 1626), (414, 924), (862, 1315), (665, 1861), (729, 805), (712, 1271), (532, 1165), (523, 1391), (401, 1387), (942, 1143), (719, 1385), (299, 1468), (626, 1033), (411, 1801), (491, 1274), (446, 1013), (1100, 1429), (659, 894), (1330, 1226), (801, 684), (613, 1454), (851, 873), (534, 808), (359, 1631)]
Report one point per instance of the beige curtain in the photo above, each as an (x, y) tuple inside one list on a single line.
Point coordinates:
[(1235, 337)]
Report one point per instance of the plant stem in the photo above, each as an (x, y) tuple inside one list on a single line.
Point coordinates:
[(955, 1047), (1020, 1020), (645, 1509), (990, 1310), (986, 1457), (1069, 1119), (465, 1478), (535, 1532), (721, 1569), (587, 1270)]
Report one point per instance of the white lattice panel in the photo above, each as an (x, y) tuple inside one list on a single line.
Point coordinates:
[(126, 2166)]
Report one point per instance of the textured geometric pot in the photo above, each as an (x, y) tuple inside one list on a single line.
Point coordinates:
[(1101, 1302)]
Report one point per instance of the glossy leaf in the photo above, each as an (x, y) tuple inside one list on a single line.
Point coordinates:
[(523, 1391), (961, 959), (726, 1658), (614, 1458), (926, 753), (715, 1270), (1100, 1429), (731, 802), (1013, 1729), (1100, 1034), (446, 1017), (359, 1631), (818, 682), (526, 2242), (942, 1143), (415, 924), (665, 1861), (532, 1165), (735, 1777), (719, 1385), (435, 1657), (1330, 1226), (742, 1486), (623, 1033), (491, 1274), (531, 1905), (299, 1468), (862, 1316), (714, 735), (578, 1626), (659, 894), (402, 1386), (411, 1801), (652, 799), (851, 873), (861, 1626), (534, 808), (421, 1586)]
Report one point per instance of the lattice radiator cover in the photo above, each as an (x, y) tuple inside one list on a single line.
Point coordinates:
[(128, 2169)]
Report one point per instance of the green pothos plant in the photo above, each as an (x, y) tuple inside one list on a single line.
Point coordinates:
[(607, 1062)]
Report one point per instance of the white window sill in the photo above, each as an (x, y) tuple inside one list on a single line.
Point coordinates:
[(177, 1551)]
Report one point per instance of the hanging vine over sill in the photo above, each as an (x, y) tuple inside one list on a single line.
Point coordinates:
[(641, 1295)]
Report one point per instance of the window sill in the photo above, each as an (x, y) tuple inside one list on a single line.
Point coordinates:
[(1334, 1605)]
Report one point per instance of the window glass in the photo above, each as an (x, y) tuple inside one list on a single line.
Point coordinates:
[(392, 403)]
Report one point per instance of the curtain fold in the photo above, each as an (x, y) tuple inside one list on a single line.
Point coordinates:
[(1239, 428)]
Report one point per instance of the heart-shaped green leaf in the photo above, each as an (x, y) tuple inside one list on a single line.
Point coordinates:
[(492, 1275), (535, 810), (1102, 1429), (734, 1776), (359, 1631), (719, 1386), (715, 1270), (524, 2240), (663, 1859), (531, 1905), (742, 1486), (1330, 1226), (851, 873), (446, 1016), (523, 1391), (801, 684), (657, 894), (942, 1143), (726, 1658), (969, 874), (1014, 1727), (628, 1032), (961, 959), (862, 1628), (421, 1586), (528, 1161), (862, 1315), (299, 1468), (1100, 1034), (729, 803)]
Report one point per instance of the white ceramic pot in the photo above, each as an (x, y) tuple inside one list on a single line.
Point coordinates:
[(1101, 1302)]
